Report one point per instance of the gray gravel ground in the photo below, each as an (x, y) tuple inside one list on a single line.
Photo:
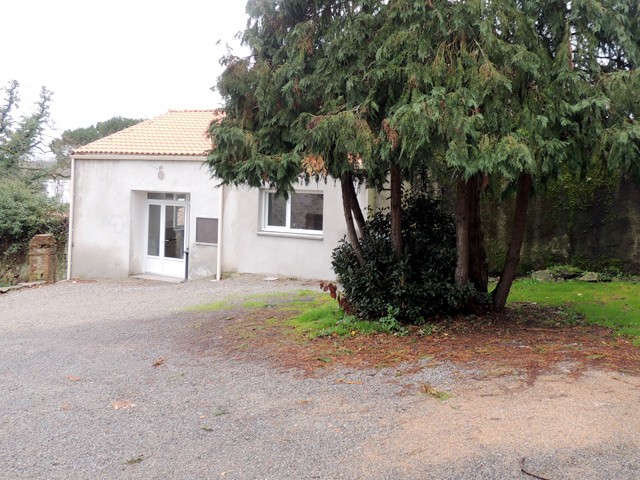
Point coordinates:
[(80, 398)]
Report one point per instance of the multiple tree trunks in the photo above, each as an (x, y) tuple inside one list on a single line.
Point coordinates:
[(471, 266), (350, 204)]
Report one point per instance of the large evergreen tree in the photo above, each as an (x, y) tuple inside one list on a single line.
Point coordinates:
[(505, 93)]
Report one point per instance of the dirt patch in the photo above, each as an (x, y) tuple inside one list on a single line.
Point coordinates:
[(525, 339)]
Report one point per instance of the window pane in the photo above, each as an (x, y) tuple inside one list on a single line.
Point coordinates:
[(174, 232), (153, 242), (207, 230), (155, 195), (306, 211), (276, 211)]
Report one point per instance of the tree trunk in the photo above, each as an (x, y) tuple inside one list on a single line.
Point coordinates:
[(355, 207), (396, 210), (478, 269), (462, 233), (352, 236), (508, 274)]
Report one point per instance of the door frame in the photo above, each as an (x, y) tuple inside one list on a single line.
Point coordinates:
[(161, 265)]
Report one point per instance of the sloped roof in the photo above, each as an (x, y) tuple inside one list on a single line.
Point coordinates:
[(177, 132)]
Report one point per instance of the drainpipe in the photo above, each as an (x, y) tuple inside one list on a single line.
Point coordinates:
[(186, 265), (220, 223), (72, 196)]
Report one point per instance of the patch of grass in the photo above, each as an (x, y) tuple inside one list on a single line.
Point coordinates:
[(212, 307), (262, 300), (313, 314), (320, 316), (615, 305)]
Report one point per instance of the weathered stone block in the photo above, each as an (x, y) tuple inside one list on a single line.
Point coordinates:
[(42, 258), (544, 276), (590, 277)]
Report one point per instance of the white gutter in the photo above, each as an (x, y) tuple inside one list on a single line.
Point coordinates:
[(140, 156), (220, 223), (71, 209)]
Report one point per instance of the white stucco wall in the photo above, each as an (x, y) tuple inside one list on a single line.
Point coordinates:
[(108, 227), (109, 222), (246, 249)]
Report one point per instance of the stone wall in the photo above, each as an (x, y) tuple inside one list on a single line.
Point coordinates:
[(592, 223)]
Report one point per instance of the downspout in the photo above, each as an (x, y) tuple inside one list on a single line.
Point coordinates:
[(72, 191), (220, 222), (187, 232)]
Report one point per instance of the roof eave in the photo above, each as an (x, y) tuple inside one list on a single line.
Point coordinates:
[(138, 156)]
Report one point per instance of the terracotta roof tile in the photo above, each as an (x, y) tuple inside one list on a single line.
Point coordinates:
[(177, 132)]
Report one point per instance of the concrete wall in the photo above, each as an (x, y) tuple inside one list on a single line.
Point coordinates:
[(108, 236), (246, 248)]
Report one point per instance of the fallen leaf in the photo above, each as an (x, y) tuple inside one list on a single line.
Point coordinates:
[(158, 361), (122, 404), (72, 378)]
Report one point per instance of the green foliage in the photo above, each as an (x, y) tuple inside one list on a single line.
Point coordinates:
[(615, 304), (25, 209), (313, 319), (390, 324), (25, 213), (496, 88), (326, 319), (20, 138), (413, 289)]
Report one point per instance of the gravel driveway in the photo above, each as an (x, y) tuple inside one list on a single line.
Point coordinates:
[(80, 397)]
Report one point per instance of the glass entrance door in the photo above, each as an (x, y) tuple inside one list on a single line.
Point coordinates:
[(166, 235)]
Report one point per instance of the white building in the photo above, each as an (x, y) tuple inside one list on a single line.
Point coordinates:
[(143, 202)]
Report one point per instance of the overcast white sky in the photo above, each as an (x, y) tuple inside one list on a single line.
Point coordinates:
[(129, 58)]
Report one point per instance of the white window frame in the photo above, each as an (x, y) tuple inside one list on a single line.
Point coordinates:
[(287, 230)]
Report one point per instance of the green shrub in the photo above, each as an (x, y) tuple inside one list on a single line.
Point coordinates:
[(413, 289), (25, 212)]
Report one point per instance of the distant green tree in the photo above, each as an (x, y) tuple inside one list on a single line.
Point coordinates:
[(72, 139)]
